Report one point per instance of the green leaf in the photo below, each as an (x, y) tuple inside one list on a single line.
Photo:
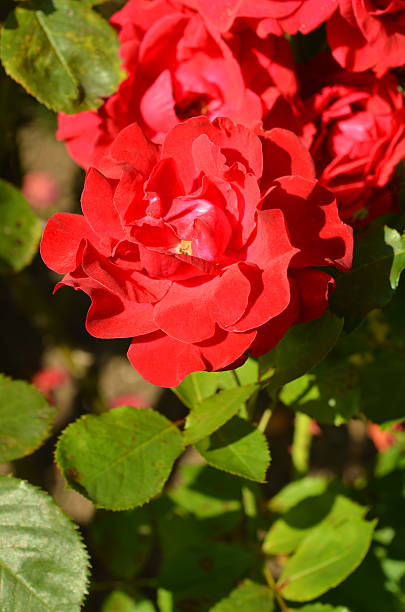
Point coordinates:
[(248, 597), (20, 230), (119, 459), (62, 52), (330, 394), (239, 448), (397, 242), (325, 558), (196, 387), (248, 373), (302, 347), (379, 258), (295, 492), (291, 529), (43, 563), (115, 536), (214, 411), (118, 601), (25, 419)]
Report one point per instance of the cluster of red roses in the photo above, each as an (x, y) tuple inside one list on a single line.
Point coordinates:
[(221, 176)]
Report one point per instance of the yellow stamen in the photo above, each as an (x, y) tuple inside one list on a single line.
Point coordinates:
[(185, 247)]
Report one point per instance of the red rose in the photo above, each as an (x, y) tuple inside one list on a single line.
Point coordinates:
[(266, 16), (368, 34), (360, 138), (178, 68), (203, 250)]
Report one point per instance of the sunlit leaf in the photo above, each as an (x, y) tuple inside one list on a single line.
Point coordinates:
[(119, 459), (238, 448), (214, 411)]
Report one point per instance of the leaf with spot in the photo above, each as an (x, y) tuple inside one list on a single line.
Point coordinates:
[(43, 563), (209, 415), (238, 448), (62, 52), (25, 419), (20, 230), (119, 459)]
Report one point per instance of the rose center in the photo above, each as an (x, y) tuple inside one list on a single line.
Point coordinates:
[(192, 106), (184, 248)]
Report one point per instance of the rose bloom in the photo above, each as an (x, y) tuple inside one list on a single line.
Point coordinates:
[(266, 16), (206, 249), (178, 68), (368, 34), (360, 123)]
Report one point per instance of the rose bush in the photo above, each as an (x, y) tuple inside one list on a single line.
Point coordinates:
[(360, 138), (368, 34), (177, 68), (204, 249)]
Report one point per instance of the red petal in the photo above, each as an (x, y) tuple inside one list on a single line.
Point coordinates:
[(98, 206), (61, 240), (283, 155), (112, 317), (132, 147), (231, 295), (164, 361), (185, 312), (80, 132), (313, 287), (313, 222), (270, 334)]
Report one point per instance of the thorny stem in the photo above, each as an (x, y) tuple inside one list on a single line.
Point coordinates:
[(272, 586), (301, 445)]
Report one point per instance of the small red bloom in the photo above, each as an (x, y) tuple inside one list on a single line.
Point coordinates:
[(360, 138), (205, 249), (368, 34)]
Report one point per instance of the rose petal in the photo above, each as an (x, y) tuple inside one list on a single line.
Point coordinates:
[(185, 312), (61, 240)]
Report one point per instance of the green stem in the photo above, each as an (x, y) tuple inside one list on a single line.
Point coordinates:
[(301, 445), (264, 420), (272, 586)]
